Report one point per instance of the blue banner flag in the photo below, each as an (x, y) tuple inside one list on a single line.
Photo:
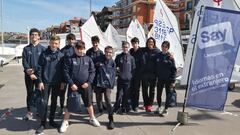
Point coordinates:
[(216, 50)]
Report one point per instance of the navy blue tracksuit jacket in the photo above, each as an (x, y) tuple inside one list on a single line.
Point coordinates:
[(79, 70), (30, 56), (50, 67)]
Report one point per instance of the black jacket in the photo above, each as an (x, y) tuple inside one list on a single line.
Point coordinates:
[(126, 64), (50, 67), (105, 72), (165, 67), (138, 55), (79, 70), (68, 50), (148, 61), (30, 56), (94, 54)]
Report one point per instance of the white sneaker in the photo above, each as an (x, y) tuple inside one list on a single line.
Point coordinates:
[(64, 126), (158, 110), (164, 112), (94, 122)]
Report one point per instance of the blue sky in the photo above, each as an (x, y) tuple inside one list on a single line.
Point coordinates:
[(20, 14)]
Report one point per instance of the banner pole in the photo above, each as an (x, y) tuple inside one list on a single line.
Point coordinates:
[(190, 66), (182, 117)]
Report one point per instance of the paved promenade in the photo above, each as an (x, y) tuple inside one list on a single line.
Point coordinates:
[(201, 122)]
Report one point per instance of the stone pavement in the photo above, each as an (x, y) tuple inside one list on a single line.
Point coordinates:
[(201, 122)]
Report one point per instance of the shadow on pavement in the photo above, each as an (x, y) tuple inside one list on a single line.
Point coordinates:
[(204, 115), (15, 122), (236, 103)]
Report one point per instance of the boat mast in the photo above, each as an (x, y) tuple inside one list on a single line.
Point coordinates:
[(2, 41)]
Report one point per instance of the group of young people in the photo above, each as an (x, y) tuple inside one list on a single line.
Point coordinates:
[(52, 71)]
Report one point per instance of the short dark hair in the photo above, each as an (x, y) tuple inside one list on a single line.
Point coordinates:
[(71, 36), (95, 39), (135, 40), (55, 37), (80, 45), (125, 43), (34, 30), (108, 47), (167, 43), (154, 41)]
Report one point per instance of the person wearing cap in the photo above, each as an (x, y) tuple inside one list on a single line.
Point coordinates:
[(79, 72)]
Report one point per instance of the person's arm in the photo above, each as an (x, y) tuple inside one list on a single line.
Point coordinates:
[(67, 71), (133, 65), (91, 72), (25, 63), (173, 71), (40, 70)]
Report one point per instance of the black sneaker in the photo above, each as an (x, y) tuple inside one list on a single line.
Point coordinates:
[(110, 125), (54, 124), (39, 131)]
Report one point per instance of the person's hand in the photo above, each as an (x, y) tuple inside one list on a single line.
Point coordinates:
[(30, 71), (41, 86), (172, 85), (85, 85), (62, 86), (99, 64), (33, 77), (171, 56), (74, 87)]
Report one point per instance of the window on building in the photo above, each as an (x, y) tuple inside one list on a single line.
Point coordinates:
[(129, 2), (189, 5)]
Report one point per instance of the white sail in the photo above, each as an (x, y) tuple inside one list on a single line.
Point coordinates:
[(226, 4), (89, 29), (135, 29), (165, 27), (113, 37)]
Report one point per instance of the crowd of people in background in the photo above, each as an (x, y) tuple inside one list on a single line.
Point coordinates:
[(80, 73)]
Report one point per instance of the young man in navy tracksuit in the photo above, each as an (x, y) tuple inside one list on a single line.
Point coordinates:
[(136, 52), (165, 70), (125, 65), (95, 52), (30, 57), (50, 80), (67, 50), (148, 74), (105, 79), (79, 72)]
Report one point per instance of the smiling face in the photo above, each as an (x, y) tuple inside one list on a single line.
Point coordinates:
[(54, 44), (34, 37), (71, 42), (108, 53), (164, 48), (135, 45), (150, 44), (125, 47), (80, 51), (95, 44)]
